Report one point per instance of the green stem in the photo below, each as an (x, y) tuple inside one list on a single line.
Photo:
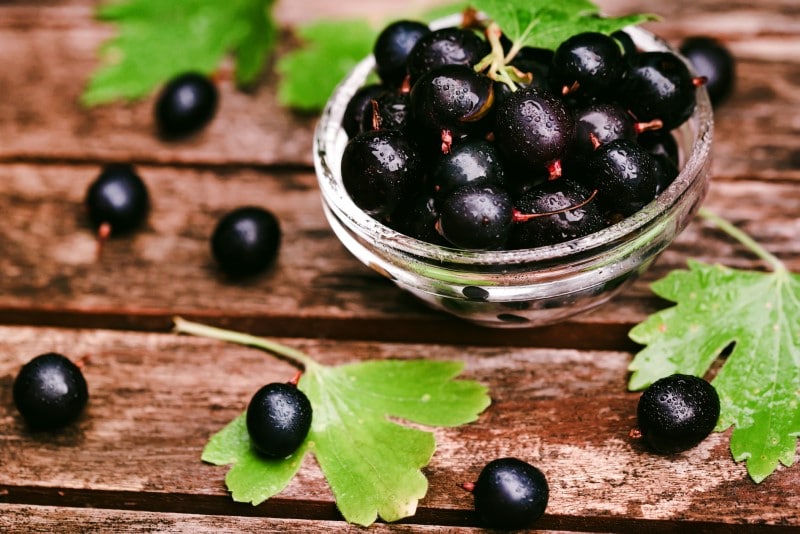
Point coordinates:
[(300, 359), (751, 244)]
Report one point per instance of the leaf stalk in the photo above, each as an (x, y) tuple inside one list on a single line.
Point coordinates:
[(294, 356), (752, 245)]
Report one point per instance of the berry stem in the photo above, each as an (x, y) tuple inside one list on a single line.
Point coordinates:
[(518, 217), (495, 61), (298, 358), (775, 264)]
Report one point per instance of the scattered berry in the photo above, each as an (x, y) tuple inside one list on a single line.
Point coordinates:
[(117, 201), (278, 419), (677, 412), (245, 241), (185, 105), (510, 494), (50, 391), (714, 62)]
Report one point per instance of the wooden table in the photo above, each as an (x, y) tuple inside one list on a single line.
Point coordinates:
[(132, 462)]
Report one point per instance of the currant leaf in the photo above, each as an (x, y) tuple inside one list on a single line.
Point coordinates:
[(359, 434), (759, 383), (159, 40)]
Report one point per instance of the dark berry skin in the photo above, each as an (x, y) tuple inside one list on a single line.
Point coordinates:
[(50, 391), (677, 412), (510, 494), (660, 143), (392, 48), (360, 104), (606, 121), (476, 217), (588, 63), (451, 97), (551, 229), (658, 85), (447, 46), (625, 176), (278, 419), (185, 105), (389, 111), (380, 170), (629, 48), (471, 161), (245, 241), (117, 198), (533, 127), (713, 61), (417, 219)]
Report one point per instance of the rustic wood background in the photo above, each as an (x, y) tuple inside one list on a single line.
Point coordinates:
[(131, 463)]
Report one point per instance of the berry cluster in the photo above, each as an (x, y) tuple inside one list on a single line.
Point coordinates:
[(467, 142)]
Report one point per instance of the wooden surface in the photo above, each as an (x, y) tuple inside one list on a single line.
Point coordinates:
[(132, 462)]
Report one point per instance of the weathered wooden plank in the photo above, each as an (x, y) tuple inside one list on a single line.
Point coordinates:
[(50, 275), (51, 51), (156, 398)]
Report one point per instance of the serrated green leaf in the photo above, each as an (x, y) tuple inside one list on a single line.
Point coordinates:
[(759, 383), (546, 24), (158, 40), (359, 433), (330, 49)]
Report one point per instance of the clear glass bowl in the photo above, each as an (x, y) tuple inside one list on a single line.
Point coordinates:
[(515, 288)]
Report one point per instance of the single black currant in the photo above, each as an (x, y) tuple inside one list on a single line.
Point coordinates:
[(451, 98), (117, 201), (677, 412), (572, 214), (359, 105), (588, 63), (660, 143), (447, 46), (278, 419), (389, 111), (714, 62), (417, 218), (510, 494), (50, 391), (626, 42), (392, 47), (601, 122), (381, 169), (185, 105), (658, 85), (476, 216), (625, 176), (245, 241), (470, 161), (534, 128)]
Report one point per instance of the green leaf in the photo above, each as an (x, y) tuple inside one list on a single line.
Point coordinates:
[(359, 433), (329, 51), (759, 383), (158, 40), (546, 24)]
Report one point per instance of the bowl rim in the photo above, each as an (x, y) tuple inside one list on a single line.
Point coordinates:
[(335, 197)]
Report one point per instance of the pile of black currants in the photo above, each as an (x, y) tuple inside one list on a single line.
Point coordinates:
[(467, 141)]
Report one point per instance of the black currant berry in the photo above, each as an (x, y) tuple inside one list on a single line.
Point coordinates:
[(389, 111), (117, 200), (451, 97), (245, 241), (625, 41), (50, 391), (714, 62), (278, 419), (625, 176), (658, 85), (588, 63), (471, 161), (380, 170), (185, 105), (660, 143), (578, 215), (392, 47), (601, 123), (533, 127), (510, 494), (447, 46), (677, 412), (417, 219), (476, 216), (360, 104)]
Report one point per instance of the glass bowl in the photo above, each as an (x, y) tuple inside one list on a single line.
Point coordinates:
[(515, 288)]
